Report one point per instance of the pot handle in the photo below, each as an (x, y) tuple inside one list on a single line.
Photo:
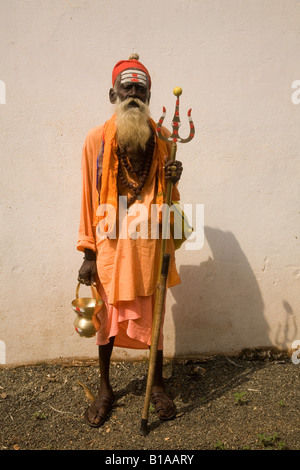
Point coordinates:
[(95, 293)]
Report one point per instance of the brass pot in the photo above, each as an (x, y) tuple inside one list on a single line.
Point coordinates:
[(85, 307)]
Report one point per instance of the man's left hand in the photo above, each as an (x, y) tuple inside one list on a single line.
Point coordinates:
[(173, 170)]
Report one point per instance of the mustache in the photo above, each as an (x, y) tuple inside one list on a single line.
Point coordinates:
[(131, 104), (135, 102)]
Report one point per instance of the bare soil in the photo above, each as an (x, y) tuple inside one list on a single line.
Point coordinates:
[(250, 402)]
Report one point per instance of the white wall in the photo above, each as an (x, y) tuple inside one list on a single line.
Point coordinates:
[(236, 61)]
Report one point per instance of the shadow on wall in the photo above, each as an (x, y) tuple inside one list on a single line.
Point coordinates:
[(287, 332), (219, 307)]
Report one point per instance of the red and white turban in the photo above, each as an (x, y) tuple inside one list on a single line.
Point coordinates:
[(133, 71)]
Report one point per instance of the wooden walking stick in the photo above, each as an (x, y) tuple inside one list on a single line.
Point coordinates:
[(164, 258)]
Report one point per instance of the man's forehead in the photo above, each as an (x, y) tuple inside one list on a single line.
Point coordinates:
[(133, 76)]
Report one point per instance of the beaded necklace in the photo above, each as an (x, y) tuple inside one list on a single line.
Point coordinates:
[(142, 173)]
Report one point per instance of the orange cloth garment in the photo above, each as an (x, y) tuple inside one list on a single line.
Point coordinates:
[(130, 322), (127, 268)]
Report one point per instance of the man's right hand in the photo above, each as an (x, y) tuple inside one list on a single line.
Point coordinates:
[(87, 272)]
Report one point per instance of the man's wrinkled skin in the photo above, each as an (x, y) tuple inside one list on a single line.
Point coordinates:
[(97, 413), (87, 272)]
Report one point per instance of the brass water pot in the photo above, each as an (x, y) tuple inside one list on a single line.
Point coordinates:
[(84, 307)]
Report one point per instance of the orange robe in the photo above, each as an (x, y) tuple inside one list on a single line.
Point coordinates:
[(127, 268)]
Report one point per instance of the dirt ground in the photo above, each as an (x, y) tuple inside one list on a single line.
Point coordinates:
[(250, 402)]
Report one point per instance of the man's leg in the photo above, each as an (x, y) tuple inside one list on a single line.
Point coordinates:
[(97, 413), (104, 365), (158, 381)]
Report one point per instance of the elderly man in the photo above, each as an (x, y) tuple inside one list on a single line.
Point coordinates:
[(124, 160)]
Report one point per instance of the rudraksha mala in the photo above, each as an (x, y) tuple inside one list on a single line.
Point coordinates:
[(142, 173)]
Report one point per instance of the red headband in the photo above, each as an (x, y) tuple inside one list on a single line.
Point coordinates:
[(128, 64)]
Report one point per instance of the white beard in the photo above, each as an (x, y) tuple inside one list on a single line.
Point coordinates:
[(133, 129)]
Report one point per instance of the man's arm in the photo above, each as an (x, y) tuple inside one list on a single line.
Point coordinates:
[(86, 239)]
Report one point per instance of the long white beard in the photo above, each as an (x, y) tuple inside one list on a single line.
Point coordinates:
[(132, 122)]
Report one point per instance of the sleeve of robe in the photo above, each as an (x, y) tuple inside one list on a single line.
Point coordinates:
[(89, 194)]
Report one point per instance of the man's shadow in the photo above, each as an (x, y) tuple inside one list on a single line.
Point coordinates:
[(219, 307), (218, 310)]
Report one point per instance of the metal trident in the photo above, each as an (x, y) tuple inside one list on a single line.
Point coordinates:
[(164, 258), (174, 137)]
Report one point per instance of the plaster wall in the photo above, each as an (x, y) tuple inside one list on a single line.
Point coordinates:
[(237, 62)]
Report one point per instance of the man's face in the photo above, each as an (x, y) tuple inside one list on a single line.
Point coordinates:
[(131, 83)]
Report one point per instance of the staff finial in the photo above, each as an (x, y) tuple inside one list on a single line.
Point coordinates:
[(174, 137)]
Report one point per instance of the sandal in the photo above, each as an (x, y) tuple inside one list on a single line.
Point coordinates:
[(164, 406), (100, 403)]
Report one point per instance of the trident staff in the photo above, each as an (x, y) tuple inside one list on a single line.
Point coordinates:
[(164, 258)]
